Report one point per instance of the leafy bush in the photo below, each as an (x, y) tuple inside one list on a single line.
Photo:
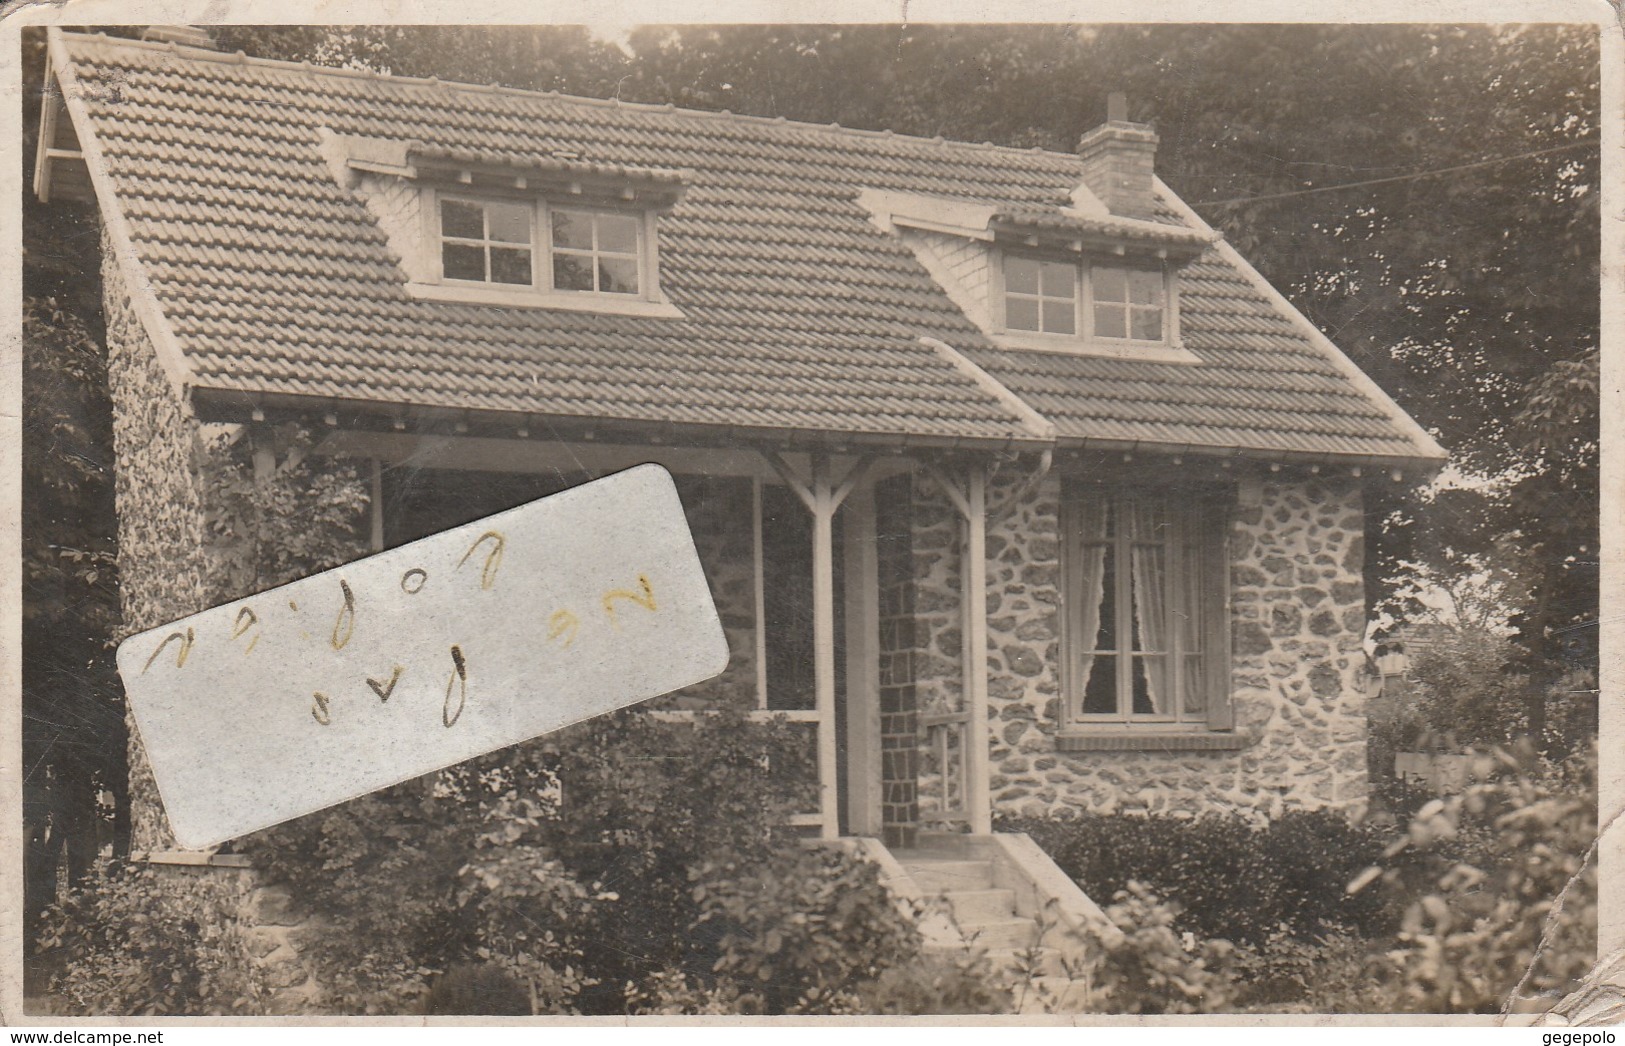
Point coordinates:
[(668, 861), (123, 946), (1152, 970), (802, 929), (1521, 914), (1230, 878)]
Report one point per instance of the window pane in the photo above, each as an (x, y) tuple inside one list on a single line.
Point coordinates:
[(618, 275), (1106, 634), (617, 233), (1195, 707), (1021, 275), (1060, 317), (1100, 690), (1059, 279), (1145, 287), (510, 222), (1110, 284), (572, 229), (1148, 324), (572, 272), (1110, 321), (509, 265), (460, 262), (458, 218), (1021, 314), (1147, 680)]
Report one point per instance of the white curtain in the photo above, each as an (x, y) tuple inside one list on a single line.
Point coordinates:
[(1148, 533), (1092, 556)]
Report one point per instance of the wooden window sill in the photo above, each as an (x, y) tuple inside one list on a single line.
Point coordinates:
[(1149, 741)]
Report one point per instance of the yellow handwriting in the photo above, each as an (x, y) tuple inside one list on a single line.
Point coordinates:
[(180, 656), (422, 579), (383, 690), (345, 625), (318, 709), (563, 623), (493, 558), (644, 599), (246, 619), (458, 680)]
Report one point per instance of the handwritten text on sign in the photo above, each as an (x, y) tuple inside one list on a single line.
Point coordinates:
[(378, 671)]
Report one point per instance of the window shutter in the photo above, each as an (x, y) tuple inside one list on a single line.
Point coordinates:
[(1216, 615)]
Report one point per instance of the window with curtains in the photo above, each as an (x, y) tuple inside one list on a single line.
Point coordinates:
[(1144, 596)]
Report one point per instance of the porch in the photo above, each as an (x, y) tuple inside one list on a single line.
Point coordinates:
[(811, 558)]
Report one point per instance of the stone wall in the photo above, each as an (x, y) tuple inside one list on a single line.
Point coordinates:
[(164, 574), (1297, 619), (161, 535)]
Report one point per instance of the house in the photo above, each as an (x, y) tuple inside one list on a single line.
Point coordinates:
[(888, 372)]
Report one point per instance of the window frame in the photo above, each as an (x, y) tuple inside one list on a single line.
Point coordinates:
[(1167, 349), (1211, 510), (540, 292)]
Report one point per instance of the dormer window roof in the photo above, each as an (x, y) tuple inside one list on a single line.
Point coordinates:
[(496, 228), (1054, 277)]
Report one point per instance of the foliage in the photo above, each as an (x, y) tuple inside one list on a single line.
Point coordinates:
[(124, 946), (1151, 969), (1230, 878), (573, 898), (73, 721), (268, 530), (1521, 917), (803, 929), (1470, 690)]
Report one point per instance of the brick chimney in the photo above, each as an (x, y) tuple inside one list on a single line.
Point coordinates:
[(1118, 158)]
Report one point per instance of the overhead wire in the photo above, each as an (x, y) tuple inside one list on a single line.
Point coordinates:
[(1433, 173)]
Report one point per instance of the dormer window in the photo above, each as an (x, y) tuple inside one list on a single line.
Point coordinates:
[(1128, 303), (511, 230), (1084, 305), (1040, 296), (595, 251), (485, 241)]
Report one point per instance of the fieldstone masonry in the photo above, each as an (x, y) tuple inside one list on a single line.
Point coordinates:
[(1297, 620)]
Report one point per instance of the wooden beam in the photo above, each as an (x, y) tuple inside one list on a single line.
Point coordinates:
[(759, 576), (792, 479), (854, 476), (860, 560), (377, 505), (973, 596), (823, 583), (950, 488)]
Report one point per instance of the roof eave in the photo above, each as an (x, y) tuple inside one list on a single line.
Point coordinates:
[(234, 406)]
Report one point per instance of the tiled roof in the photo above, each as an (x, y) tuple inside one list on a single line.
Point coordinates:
[(798, 312)]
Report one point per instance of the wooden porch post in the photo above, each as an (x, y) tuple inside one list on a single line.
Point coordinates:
[(973, 595), (823, 495), (971, 501), (823, 582), (860, 558)]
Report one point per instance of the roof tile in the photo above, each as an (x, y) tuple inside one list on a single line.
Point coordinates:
[(798, 312)]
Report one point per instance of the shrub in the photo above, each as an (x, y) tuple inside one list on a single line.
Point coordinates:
[(572, 899), (1151, 970), (1474, 931), (1230, 878), (123, 946), (802, 929)]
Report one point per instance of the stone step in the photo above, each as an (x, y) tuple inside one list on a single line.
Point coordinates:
[(981, 905), (943, 876), (1009, 934)]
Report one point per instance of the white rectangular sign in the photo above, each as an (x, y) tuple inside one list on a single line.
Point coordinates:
[(390, 667)]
